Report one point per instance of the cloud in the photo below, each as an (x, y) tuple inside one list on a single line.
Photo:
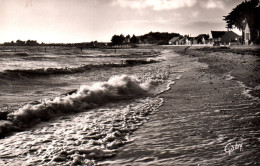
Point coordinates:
[(154, 4), (206, 24), (197, 27), (213, 4), (195, 14), (175, 4)]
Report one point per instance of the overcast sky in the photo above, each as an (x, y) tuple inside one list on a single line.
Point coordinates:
[(86, 20)]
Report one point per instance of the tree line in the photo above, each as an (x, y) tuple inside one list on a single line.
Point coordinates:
[(121, 39), (149, 38), (22, 43)]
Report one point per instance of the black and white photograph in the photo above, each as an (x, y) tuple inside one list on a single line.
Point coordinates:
[(129, 82)]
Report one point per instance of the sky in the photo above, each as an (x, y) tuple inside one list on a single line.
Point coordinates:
[(72, 21)]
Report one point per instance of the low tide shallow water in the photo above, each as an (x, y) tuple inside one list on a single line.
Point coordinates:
[(189, 125)]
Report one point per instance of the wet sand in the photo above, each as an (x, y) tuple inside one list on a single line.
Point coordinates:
[(243, 64), (209, 117)]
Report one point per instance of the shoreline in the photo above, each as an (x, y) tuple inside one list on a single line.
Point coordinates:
[(242, 64)]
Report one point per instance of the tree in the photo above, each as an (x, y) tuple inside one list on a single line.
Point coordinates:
[(157, 37), (116, 39), (31, 43), (134, 39), (127, 38), (247, 11), (20, 42)]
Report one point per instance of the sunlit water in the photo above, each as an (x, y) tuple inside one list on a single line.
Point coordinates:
[(142, 130)]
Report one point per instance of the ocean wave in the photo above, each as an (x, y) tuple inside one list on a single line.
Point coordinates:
[(22, 54), (132, 55), (116, 88), (72, 70)]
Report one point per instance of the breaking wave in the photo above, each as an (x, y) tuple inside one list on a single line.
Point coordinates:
[(22, 54), (72, 70), (86, 97)]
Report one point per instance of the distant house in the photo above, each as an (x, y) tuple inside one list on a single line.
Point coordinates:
[(188, 40), (230, 37), (174, 41), (247, 35), (193, 40), (216, 36), (202, 39), (182, 41), (224, 37), (251, 32)]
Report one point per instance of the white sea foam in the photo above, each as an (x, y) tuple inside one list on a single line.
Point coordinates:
[(80, 139), (116, 88), (246, 90), (229, 77)]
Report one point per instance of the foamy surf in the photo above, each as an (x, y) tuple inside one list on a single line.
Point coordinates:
[(246, 90), (117, 88), (79, 140)]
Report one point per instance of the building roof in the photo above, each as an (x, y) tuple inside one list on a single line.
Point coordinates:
[(183, 39), (192, 38), (217, 34), (229, 35), (200, 36), (226, 36), (174, 39)]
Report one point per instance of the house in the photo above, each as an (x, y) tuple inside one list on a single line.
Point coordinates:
[(251, 32), (193, 40), (224, 37), (230, 37), (182, 41), (216, 36), (202, 39), (247, 35), (188, 40), (174, 41)]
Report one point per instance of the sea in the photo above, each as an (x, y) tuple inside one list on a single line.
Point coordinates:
[(64, 106)]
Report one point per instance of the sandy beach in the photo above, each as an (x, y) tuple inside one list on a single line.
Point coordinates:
[(242, 63)]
